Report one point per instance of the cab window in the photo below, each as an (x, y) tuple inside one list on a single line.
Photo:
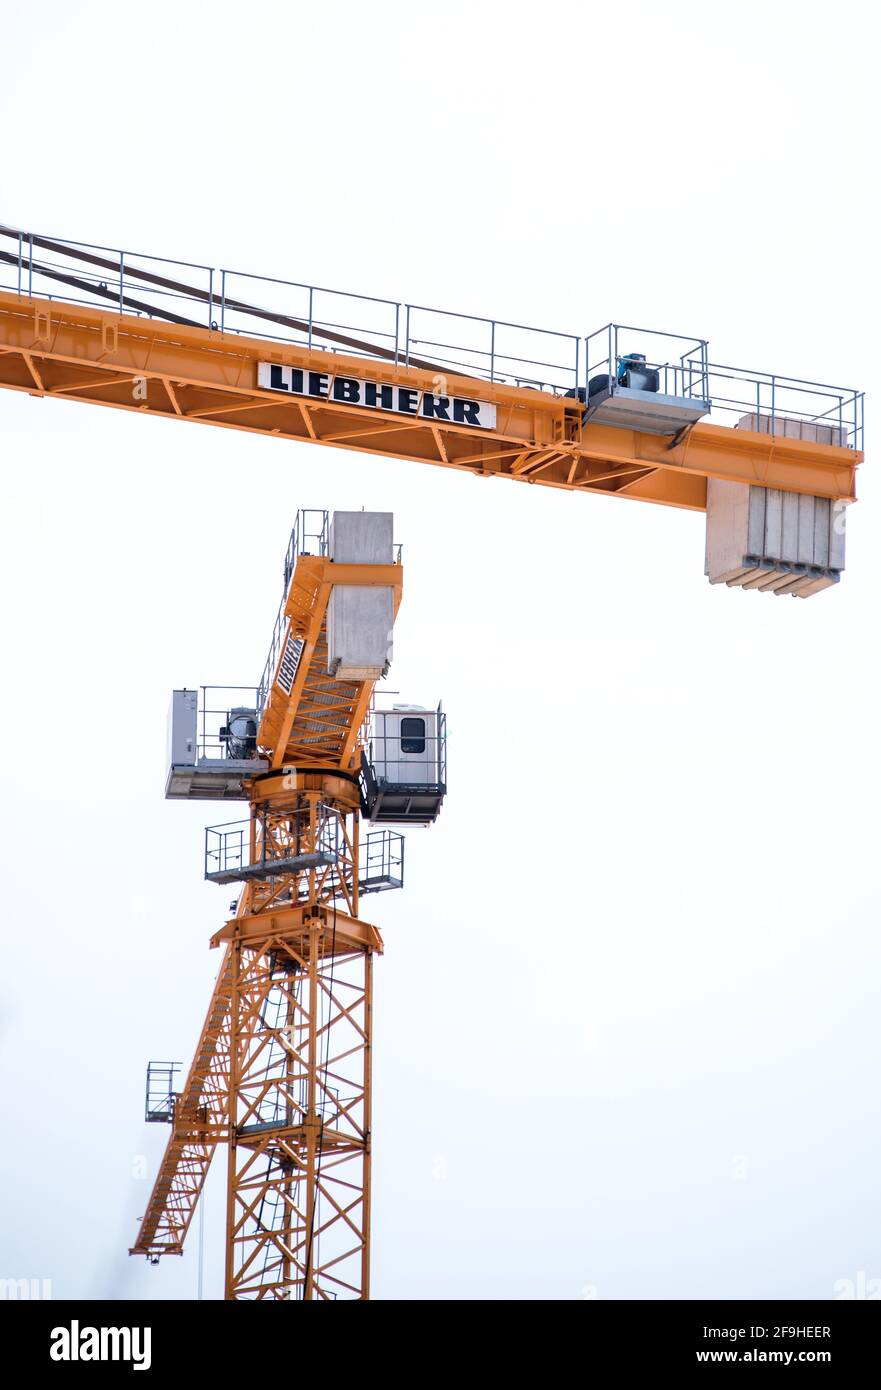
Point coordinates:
[(412, 735)]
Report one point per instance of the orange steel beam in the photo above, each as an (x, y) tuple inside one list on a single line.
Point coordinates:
[(180, 371)]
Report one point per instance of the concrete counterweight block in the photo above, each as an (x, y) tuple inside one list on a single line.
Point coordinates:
[(763, 538), (781, 425), (360, 618)]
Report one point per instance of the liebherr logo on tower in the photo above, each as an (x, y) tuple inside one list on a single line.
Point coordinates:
[(400, 400), (75, 1343), (289, 663)]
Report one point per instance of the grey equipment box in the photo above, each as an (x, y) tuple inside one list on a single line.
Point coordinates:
[(360, 618)]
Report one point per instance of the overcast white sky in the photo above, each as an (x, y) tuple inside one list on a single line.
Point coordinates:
[(627, 1022)]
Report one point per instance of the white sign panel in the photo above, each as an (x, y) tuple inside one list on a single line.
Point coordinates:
[(290, 662), (400, 400)]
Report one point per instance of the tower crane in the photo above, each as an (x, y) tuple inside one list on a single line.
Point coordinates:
[(281, 1072)]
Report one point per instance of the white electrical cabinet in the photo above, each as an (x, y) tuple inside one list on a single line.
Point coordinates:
[(182, 722)]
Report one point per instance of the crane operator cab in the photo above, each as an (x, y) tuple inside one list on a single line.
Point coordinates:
[(404, 765)]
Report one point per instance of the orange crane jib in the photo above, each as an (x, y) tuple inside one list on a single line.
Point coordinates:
[(83, 324)]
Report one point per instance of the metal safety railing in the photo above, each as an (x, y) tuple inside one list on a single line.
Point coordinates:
[(214, 707), (781, 405), (764, 401), (77, 272), (680, 362), (498, 351), (380, 861), (310, 315), (408, 747), (310, 535), (228, 846), (160, 1095), (399, 334), (288, 311), (228, 849)]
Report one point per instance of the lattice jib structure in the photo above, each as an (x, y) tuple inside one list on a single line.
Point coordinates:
[(199, 1124)]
